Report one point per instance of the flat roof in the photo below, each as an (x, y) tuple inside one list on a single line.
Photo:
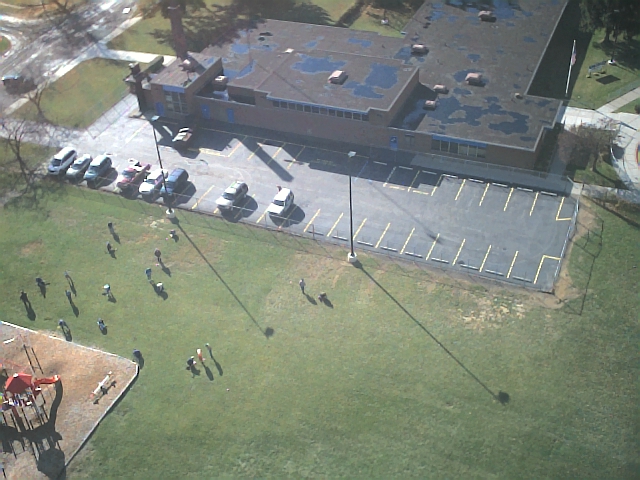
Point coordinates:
[(292, 62), (175, 76), (506, 52)]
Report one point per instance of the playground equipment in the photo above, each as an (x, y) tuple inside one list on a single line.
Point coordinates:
[(103, 388)]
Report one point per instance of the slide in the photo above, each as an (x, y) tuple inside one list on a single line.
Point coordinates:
[(47, 380)]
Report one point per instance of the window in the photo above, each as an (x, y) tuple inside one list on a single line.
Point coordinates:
[(292, 106), (276, 103), (365, 117), (307, 108), (357, 116), (453, 147), (435, 145), (176, 102), (472, 151), (409, 139), (315, 110), (463, 149), (323, 111), (481, 152), (299, 108), (348, 115), (332, 113), (340, 114)]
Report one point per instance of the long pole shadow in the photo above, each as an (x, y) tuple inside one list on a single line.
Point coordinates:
[(268, 332), (501, 397)]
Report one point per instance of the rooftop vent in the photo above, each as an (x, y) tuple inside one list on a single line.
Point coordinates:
[(289, 50), (486, 16), (189, 65), (474, 79), (338, 77), (430, 105), (440, 89), (419, 49), (221, 80)]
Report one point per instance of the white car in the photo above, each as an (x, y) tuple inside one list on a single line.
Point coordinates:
[(150, 188), (232, 195), (281, 203)]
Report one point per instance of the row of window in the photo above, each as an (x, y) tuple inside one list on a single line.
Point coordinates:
[(176, 102), (299, 107), (458, 148)]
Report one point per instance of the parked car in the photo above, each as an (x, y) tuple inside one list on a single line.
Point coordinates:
[(97, 170), (183, 138), (281, 203), (132, 176), (61, 161), (176, 182), (150, 188), (232, 195), (18, 83), (78, 167)]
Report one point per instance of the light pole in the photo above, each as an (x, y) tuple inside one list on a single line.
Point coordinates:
[(170, 212), (351, 258)]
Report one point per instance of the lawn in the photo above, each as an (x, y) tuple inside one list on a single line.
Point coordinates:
[(371, 19), (629, 107), (5, 44), (219, 17), (11, 179), (71, 101), (603, 174), (366, 387)]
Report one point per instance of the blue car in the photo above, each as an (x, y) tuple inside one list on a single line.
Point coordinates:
[(98, 170), (176, 182)]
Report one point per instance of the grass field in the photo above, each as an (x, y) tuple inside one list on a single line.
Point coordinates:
[(219, 17), (71, 100), (630, 107), (366, 387), (11, 179), (371, 18), (603, 174)]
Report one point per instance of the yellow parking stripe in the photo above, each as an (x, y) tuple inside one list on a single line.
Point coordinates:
[(287, 217), (460, 189), (383, 234), (237, 216), (135, 133), (386, 182), (508, 198), (485, 192), (359, 228), (414, 180), (262, 216), (407, 241), (311, 222), (485, 258), (294, 159), (459, 250), (535, 280), (534, 203), (193, 207), (512, 264), (432, 247), (257, 148), (558, 219), (335, 225)]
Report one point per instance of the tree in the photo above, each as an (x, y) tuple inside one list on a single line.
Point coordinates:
[(614, 16), (16, 134)]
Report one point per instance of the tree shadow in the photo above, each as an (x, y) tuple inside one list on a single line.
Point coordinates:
[(499, 398), (268, 332), (208, 372)]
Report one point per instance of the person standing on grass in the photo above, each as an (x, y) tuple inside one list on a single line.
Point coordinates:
[(101, 325), (191, 362), (68, 294), (302, 284), (158, 255), (148, 273), (110, 249)]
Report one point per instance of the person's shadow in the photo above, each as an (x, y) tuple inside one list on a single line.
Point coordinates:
[(311, 299), (208, 372), (31, 314), (104, 330), (194, 371), (139, 359), (112, 298), (166, 269), (75, 309), (112, 252), (67, 333), (115, 236)]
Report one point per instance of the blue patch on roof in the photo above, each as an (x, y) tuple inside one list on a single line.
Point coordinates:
[(519, 125), (382, 76), (311, 44), (515, 85), (502, 9), (404, 54), (543, 103), (492, 99), (230, 73), (458, 35), (555, 2), (526, 14), (246, 70), (240, 48), (363, 43), (527, 139), (461, 91), (529, 39), (365, 91), (510, 24), (452, 18), (316, 65), (474, 57), (462, 49)]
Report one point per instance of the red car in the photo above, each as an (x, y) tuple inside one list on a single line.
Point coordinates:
[(133, 175)]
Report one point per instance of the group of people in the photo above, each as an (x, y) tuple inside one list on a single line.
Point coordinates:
[(322, 297)]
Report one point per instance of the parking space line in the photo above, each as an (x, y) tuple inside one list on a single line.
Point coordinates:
[(414, 181), (380, 163), (405, 168), (485, 258), (383, 234), (387, 180), (262, 216), (407, 241), (237, 216), (287, 218), (135, 133), (294, 159), (508, 198), (449, 176), (475, 180), (432, 247), (216, 211), (459, 250), (500, 185), (558, 219), (311, 221), (257, 148), (512, 264), (359, 228), (236, 147), (485, 192), (535, 280), (335, 225), (460, 189), (524, 189), (534, 203), (193, 207), (437, 185), (551, 194)]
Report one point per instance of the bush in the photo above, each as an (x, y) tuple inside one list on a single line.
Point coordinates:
[(637, 108)]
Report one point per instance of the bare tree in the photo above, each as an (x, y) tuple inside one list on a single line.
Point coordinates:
[(17, 133), (59, 6)]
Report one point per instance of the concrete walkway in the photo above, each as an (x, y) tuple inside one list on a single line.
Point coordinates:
[(620, 101)]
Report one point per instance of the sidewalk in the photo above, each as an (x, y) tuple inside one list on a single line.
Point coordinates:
[(620, 101)]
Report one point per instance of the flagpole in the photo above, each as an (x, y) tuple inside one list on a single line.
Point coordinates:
[(571, 62)]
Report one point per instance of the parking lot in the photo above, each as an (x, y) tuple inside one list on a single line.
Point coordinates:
[(494, 230)]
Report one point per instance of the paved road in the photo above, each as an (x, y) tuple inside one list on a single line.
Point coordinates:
[(490, 229)]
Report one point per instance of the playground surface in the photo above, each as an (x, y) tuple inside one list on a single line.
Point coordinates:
[(72, 412)]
